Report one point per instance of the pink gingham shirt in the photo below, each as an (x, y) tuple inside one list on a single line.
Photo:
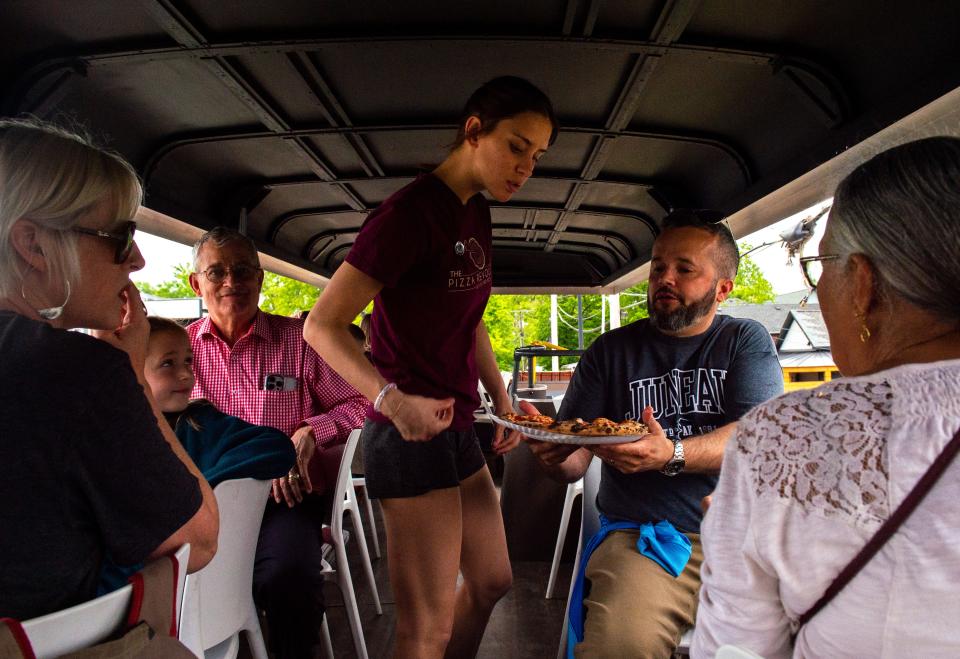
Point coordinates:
[(232, 378)]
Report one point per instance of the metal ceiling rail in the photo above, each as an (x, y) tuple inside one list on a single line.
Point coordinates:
[(311, 252), (586, 262), (193, 47), (178, 26), (670, 24), (324, 255), (267, 46), (309, 71), (246, 133), (277, 225)]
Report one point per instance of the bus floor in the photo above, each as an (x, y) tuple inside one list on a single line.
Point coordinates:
[(524, 625)]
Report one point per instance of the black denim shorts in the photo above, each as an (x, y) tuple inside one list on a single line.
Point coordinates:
[(397, 468)]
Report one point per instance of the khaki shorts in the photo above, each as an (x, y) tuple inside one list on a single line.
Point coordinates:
[(632, 606)]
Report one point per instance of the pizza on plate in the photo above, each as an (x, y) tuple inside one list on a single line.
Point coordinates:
[(529, 420), (599, 427)]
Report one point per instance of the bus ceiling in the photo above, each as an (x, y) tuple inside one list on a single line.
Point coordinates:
[(292, 121)]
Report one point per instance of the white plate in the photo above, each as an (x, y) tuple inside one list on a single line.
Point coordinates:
[(560, 438)]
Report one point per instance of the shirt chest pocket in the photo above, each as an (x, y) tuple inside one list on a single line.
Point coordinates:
[(277, 408)]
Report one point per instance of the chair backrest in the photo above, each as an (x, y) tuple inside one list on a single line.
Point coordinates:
[(91, 622), (589, 525), (344, 490), (546, 406), (219, 596), (591, 514), (486, 401)]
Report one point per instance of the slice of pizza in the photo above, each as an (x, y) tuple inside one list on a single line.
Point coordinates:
[(540, 421), (630, 427), (603, 426), (599, 427), (569, 427)]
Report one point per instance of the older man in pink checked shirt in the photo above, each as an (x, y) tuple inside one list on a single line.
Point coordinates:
[(256, 366)]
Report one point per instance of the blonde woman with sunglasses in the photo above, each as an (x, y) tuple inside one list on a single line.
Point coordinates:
[(88, 468)]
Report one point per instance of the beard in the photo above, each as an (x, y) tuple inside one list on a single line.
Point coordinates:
[(685, 314)]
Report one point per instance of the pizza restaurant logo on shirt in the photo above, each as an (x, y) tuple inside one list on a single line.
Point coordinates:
[(693, 391), (467, 279)]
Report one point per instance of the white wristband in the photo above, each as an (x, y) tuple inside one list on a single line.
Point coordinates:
[(383, 392)]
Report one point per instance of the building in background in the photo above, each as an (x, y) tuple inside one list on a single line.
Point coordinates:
[(798, 332), (804, 350)]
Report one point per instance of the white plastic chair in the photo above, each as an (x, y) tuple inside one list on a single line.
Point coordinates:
[(325, 638), (589, 525), (91, 622), (360, 485), (486, 401), (683, 647), (335, 539), (574, 490), (219, 603)]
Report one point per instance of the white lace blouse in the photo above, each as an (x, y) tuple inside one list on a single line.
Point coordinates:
[(806, 481)]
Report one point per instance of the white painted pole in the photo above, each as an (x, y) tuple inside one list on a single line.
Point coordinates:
[(554, 333), (603, 313), (614, 300)]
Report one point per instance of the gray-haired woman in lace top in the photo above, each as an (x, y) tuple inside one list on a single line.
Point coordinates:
[(811, 476)]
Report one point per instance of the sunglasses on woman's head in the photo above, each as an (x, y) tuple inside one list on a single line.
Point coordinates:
[(123, 238)]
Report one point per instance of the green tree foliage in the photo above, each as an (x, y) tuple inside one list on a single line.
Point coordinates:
[(178, 287), (509, 316), (633, 303), (750, 285), (280, 295), (285, 297), (504, 311)]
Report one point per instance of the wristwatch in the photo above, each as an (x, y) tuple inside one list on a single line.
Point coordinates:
[(676, 464)]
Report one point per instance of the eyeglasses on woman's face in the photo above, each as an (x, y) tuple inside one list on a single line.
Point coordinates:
[(812, 268), (216, 274), (123, 238)]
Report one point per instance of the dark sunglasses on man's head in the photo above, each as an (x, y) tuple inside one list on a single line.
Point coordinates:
[(123, 238), (216, 274)]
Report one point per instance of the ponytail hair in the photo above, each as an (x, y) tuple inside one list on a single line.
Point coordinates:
[(503, 98)]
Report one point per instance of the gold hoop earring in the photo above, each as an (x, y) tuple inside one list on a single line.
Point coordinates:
[(864, 330)]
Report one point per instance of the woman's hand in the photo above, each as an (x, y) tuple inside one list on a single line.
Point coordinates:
[(418, 418), (505, 441), (133, 333)]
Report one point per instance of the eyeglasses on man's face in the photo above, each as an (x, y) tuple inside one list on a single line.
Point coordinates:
[(216, 274), (812, 268), (123, 238)]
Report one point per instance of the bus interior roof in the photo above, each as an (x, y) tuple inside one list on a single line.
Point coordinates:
[(292, 120)]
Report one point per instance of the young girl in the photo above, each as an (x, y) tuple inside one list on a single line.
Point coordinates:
[(222, 446), (425, 255)]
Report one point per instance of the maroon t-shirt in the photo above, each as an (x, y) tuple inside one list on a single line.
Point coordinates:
[(432, 255)]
